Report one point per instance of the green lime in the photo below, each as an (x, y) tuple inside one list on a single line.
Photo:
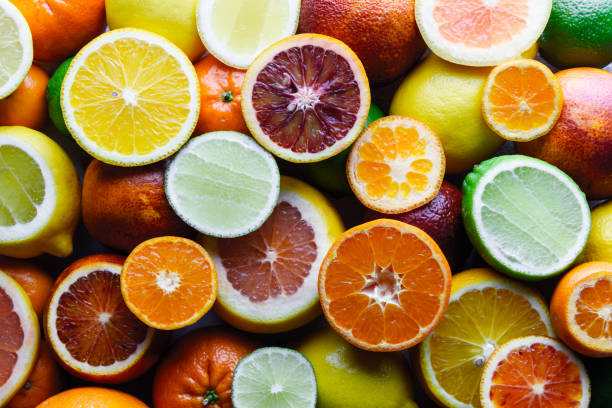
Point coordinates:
[(223, 184), (274, 377), (579, 33), (525, 217), (54, 89), (330, 175)]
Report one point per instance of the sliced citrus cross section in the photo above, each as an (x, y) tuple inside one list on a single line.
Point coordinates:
[(396, 165), (130, 97), (384, 285), (306, 98), (16, 51), (522, 100)]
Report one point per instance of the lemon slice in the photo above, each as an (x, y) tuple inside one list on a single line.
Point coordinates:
[(130, 97), (16, 51)]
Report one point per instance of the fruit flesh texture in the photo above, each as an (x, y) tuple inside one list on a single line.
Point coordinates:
[(11, 339)]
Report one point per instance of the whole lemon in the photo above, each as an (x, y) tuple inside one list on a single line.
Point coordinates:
[(173, 19), (599, 243), (448, 98), (348, 377)]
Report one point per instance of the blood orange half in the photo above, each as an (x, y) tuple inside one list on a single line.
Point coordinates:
[(306, 98)]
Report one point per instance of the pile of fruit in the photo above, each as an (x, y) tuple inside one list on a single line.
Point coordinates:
[(299, 204)]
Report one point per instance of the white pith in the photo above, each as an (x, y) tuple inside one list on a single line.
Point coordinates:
[(25, 39)]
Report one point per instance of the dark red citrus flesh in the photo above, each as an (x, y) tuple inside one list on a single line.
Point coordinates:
[(306, 99), (275, 259), (95, 324), (11, 337)]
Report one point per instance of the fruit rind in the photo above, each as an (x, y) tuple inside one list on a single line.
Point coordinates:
[(25, 37)]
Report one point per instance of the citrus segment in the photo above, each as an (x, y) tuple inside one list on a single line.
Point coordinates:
[(306, 98), (396, 165), (384, 285), (522, 100), (16, 52), (130, 97)]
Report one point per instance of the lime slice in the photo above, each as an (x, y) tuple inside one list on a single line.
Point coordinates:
[(223, 184), (16, 52), (274, 377), (237, 31), (525, 217)]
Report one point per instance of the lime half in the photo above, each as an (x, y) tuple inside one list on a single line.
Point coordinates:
[(223, 184), (525, 217), (274, 377), (16, 52)]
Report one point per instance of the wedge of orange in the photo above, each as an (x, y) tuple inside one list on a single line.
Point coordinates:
[(384, 285), (522, 100), (169, 282), (396, 165)]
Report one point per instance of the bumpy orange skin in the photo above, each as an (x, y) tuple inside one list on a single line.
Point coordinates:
[(33, 279), (89, 397), (139, 194), (27, 105), (384, 34), (580, 144)]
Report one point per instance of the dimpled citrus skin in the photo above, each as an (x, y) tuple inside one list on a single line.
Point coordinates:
[(92, 397), (26, 106)]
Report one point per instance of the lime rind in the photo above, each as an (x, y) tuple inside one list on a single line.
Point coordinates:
[(274, 377), (553, 214), (24, 42)]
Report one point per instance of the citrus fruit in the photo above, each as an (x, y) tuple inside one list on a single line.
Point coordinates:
[(15, 46), (220, 97), (581, 309), (169, 282), (274, 377), (90, 329), (522, 100), (172, 19), (580, 144), (485, 311), (599, 243), (89, 397), (130, 97), (578, 34), (54, 91), (380, 297), (448, 98), (139, 193), (198, 371), (19, 337), (236, 32), (26, 106), (396, 165), (306, 98), (481, 32), (39, 195), (348, 377), (223, 184), (392, 44), (44, 381), (525, 217), (534, 371), (32, 278), (60, 28), (268, 278)]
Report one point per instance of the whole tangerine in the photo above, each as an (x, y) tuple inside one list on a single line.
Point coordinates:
[(27, 105), (89, 397)]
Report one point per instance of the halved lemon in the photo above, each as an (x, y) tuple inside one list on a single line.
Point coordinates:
[(16, 52)]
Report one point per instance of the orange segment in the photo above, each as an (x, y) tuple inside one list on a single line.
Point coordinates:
[(169, 282), (384, 285)]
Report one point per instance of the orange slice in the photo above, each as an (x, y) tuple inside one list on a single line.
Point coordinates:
[(384, 285), (396, 165), (90, 329), (169, 282), (581, 308), (534, 372), (522, 100)]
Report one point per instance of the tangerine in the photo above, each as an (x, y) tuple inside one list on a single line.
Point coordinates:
[(27, 105)]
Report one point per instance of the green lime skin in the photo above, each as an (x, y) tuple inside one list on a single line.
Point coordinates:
[(578, 34), (54, 90), (330, 175)]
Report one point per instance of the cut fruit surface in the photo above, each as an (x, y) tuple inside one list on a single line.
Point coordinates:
[(485, 311), (169, 282), (19, 337), (384, 285), (268, 278), (306, 98), (534, 372), (522, 100), (130, 97), (481, 32), (16, 52), (89, 327), (396, 165)]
